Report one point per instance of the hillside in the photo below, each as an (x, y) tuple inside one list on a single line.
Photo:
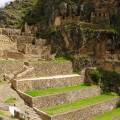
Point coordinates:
[(12, 15), (68, 25), (60, 60), (42, 12)]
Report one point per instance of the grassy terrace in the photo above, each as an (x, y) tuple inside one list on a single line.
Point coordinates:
[(56, 60), (10, 100), (79, 104), (4, 113), (114, 114), (49, 91)]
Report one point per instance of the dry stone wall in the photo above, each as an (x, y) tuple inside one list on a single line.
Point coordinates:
[(34, 84), (9, 66), (83, 113), (61, 98), (53, 68), (68, 97), (111, 66)]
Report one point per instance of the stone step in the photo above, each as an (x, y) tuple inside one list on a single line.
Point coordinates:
[(47, 82), (80, 110), (56, 96)]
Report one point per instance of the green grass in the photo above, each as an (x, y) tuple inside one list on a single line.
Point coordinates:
[(2, 82), (114, 114), (10, 100), (79, 104), (56, 60), (7, 115), (61, 60), (49, 91), (2, 113), (9, 61)]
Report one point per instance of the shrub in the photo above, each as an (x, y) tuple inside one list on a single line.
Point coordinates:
[(110, 81), (95, 76)]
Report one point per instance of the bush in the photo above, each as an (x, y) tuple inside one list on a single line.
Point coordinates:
[(110, 81), (95, 76)]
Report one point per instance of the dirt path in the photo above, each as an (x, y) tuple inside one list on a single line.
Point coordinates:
[(6, 93)]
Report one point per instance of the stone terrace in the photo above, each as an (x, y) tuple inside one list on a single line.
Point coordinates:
[(62, 88)]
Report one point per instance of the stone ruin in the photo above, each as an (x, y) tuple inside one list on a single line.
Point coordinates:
[(98, 11), (20, 44)]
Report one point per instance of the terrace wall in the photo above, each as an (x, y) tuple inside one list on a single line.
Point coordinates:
[(57, 99), (111, 66), (83, 113), (68, 97), (25, 85), (53, 68)]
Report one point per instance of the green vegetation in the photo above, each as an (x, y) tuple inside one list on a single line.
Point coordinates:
[(95, 76), (6, 115), (2, 82), (2, 113), (80, 62), (89, 27), (50, 91), (13, 14), (115, 114), (9, 61), (79, 104), (56, 60), (10, 100), (61, 59), (108, 80)]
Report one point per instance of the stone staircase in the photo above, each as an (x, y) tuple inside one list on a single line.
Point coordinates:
[(66, 94)]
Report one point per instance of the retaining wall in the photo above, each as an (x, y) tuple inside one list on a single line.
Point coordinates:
[(60, 98), (44, 83), (83, 113)]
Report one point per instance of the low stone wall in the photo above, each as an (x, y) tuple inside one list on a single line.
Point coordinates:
[(43, 115), (50, 68), (40, 68), (67, 97), (60, 98), (9, 66), (28, 99), (53, 68), (111, 66), (13, 55), (44, 83), (83, 113)]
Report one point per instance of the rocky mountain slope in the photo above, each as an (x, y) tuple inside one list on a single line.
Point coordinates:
[(71, 26), (12, 15)]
